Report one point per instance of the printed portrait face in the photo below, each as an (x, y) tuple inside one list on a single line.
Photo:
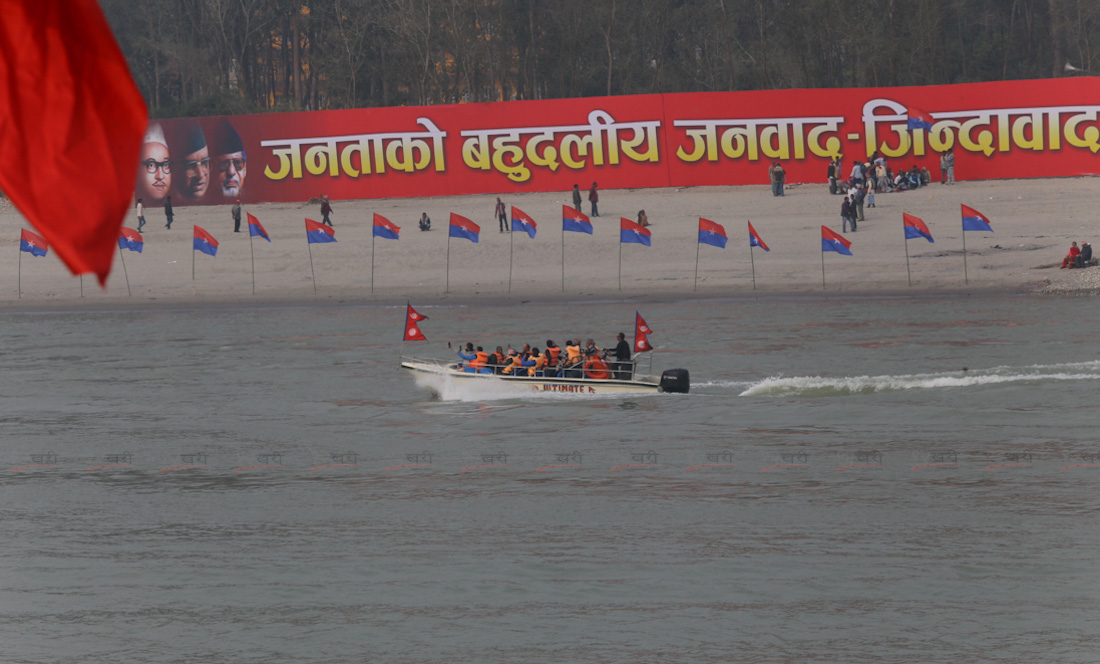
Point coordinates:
[(231, 169), (154, 172), (196, 174)]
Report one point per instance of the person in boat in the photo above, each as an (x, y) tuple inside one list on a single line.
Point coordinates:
[(535, 362), (495, 361), (480, 364), (574, 360), (553, 357), (621, 355), (469, 355), (594, 366), (515, 364)]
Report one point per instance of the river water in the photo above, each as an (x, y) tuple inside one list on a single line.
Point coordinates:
[(254, 486)]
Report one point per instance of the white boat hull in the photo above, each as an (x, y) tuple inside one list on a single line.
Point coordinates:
[(437, 377)]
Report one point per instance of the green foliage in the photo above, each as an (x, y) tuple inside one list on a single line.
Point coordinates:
[(208, 57)]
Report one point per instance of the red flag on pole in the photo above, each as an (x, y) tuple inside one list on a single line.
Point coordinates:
[(641, 334), (412, 330), (73, 120)]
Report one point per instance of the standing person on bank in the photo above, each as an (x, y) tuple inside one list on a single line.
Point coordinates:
[(846, 215), (140, 215), (168, 216), (577, 197), (594, 199), (501, 215), (780, 180), (949, 163), (326, 210), (236, 212)]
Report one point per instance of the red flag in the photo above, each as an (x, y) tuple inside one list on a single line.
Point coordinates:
[(641, 332), (412, 330), (72, 127)]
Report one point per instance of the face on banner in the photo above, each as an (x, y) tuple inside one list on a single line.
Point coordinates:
[(230, 166)]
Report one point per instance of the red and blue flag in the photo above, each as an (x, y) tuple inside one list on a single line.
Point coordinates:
[(317, 232), (633, 233), (915, 228), (256, 229), (522, 222), (463, 228), (918, 119), (832, 241), (574, 220), (34, 245), (384, 228), (974, 220), (130, 239), (712, 233), (754, 239), (205, 242)]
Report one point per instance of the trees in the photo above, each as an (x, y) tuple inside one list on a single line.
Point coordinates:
[(200, 57)]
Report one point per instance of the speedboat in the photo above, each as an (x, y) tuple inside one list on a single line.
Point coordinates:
[(438, 375)]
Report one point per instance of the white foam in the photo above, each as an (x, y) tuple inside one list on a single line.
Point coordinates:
[(841, 385)]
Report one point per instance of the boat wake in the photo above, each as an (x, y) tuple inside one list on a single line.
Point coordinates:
[(819, 386)]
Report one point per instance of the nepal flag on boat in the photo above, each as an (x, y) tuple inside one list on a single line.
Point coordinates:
[(641, 334), (915, 228), (974, 220), (522, 222), (712, 233), (919, 119), (463, 228), (384, 228), (833, 241), (317, 232), (412, 330), (574, 220), (130, 239)]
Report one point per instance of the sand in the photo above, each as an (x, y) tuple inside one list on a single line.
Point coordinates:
[(1034, 221)]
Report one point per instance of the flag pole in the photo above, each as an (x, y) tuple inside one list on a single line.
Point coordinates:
[(372, 239), (752, 262), (823, 269), (696, 286), (511, 248), (447, 287), (311, 270), (123, 259), (82, 285), (252, 250), (908, 274), (192, 268), (563, 257), (20, 290), (965, 276), (620, 265)]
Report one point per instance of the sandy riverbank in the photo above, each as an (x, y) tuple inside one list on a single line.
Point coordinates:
[(1034, 222)]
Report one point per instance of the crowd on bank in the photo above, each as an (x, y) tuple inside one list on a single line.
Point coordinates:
[(572, 361)]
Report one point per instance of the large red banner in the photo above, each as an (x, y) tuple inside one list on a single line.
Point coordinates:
[(1009, 129)]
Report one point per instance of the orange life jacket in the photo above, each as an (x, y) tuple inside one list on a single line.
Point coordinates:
[(574, 354), (540, 362), (481, 361), (554, 354), (517, 362)]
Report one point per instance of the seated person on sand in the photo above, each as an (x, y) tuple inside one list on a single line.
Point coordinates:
[(1071, 258), (1085, 259), (643, 220), (425, 223)]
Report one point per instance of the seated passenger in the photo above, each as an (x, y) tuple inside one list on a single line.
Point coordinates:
[(553, 357), (574, 361), (1085, 258), (535, 362), (469, 355), (495, 361), (481, 361), (515, 363)]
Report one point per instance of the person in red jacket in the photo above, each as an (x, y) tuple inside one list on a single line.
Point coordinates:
[(1071, 257), (594, 199)]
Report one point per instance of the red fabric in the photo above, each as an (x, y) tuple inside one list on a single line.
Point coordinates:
[(628, 225), (379, 220), (523, 216), (412, 330), (464, 223), (711, 227), (34, 240), (753, 233), (312, 225), (916, 222), (203, 235), (641, 332), (71, 124), (828, 234)]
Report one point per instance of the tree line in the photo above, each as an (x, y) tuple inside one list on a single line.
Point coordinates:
[(212, 57)]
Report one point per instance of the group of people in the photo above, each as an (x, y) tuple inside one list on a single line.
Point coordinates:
[(593, 199), (1078, 257), (573, 361), (877, 175)]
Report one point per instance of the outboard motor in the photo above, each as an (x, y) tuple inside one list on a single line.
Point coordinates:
[(675, 381)]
